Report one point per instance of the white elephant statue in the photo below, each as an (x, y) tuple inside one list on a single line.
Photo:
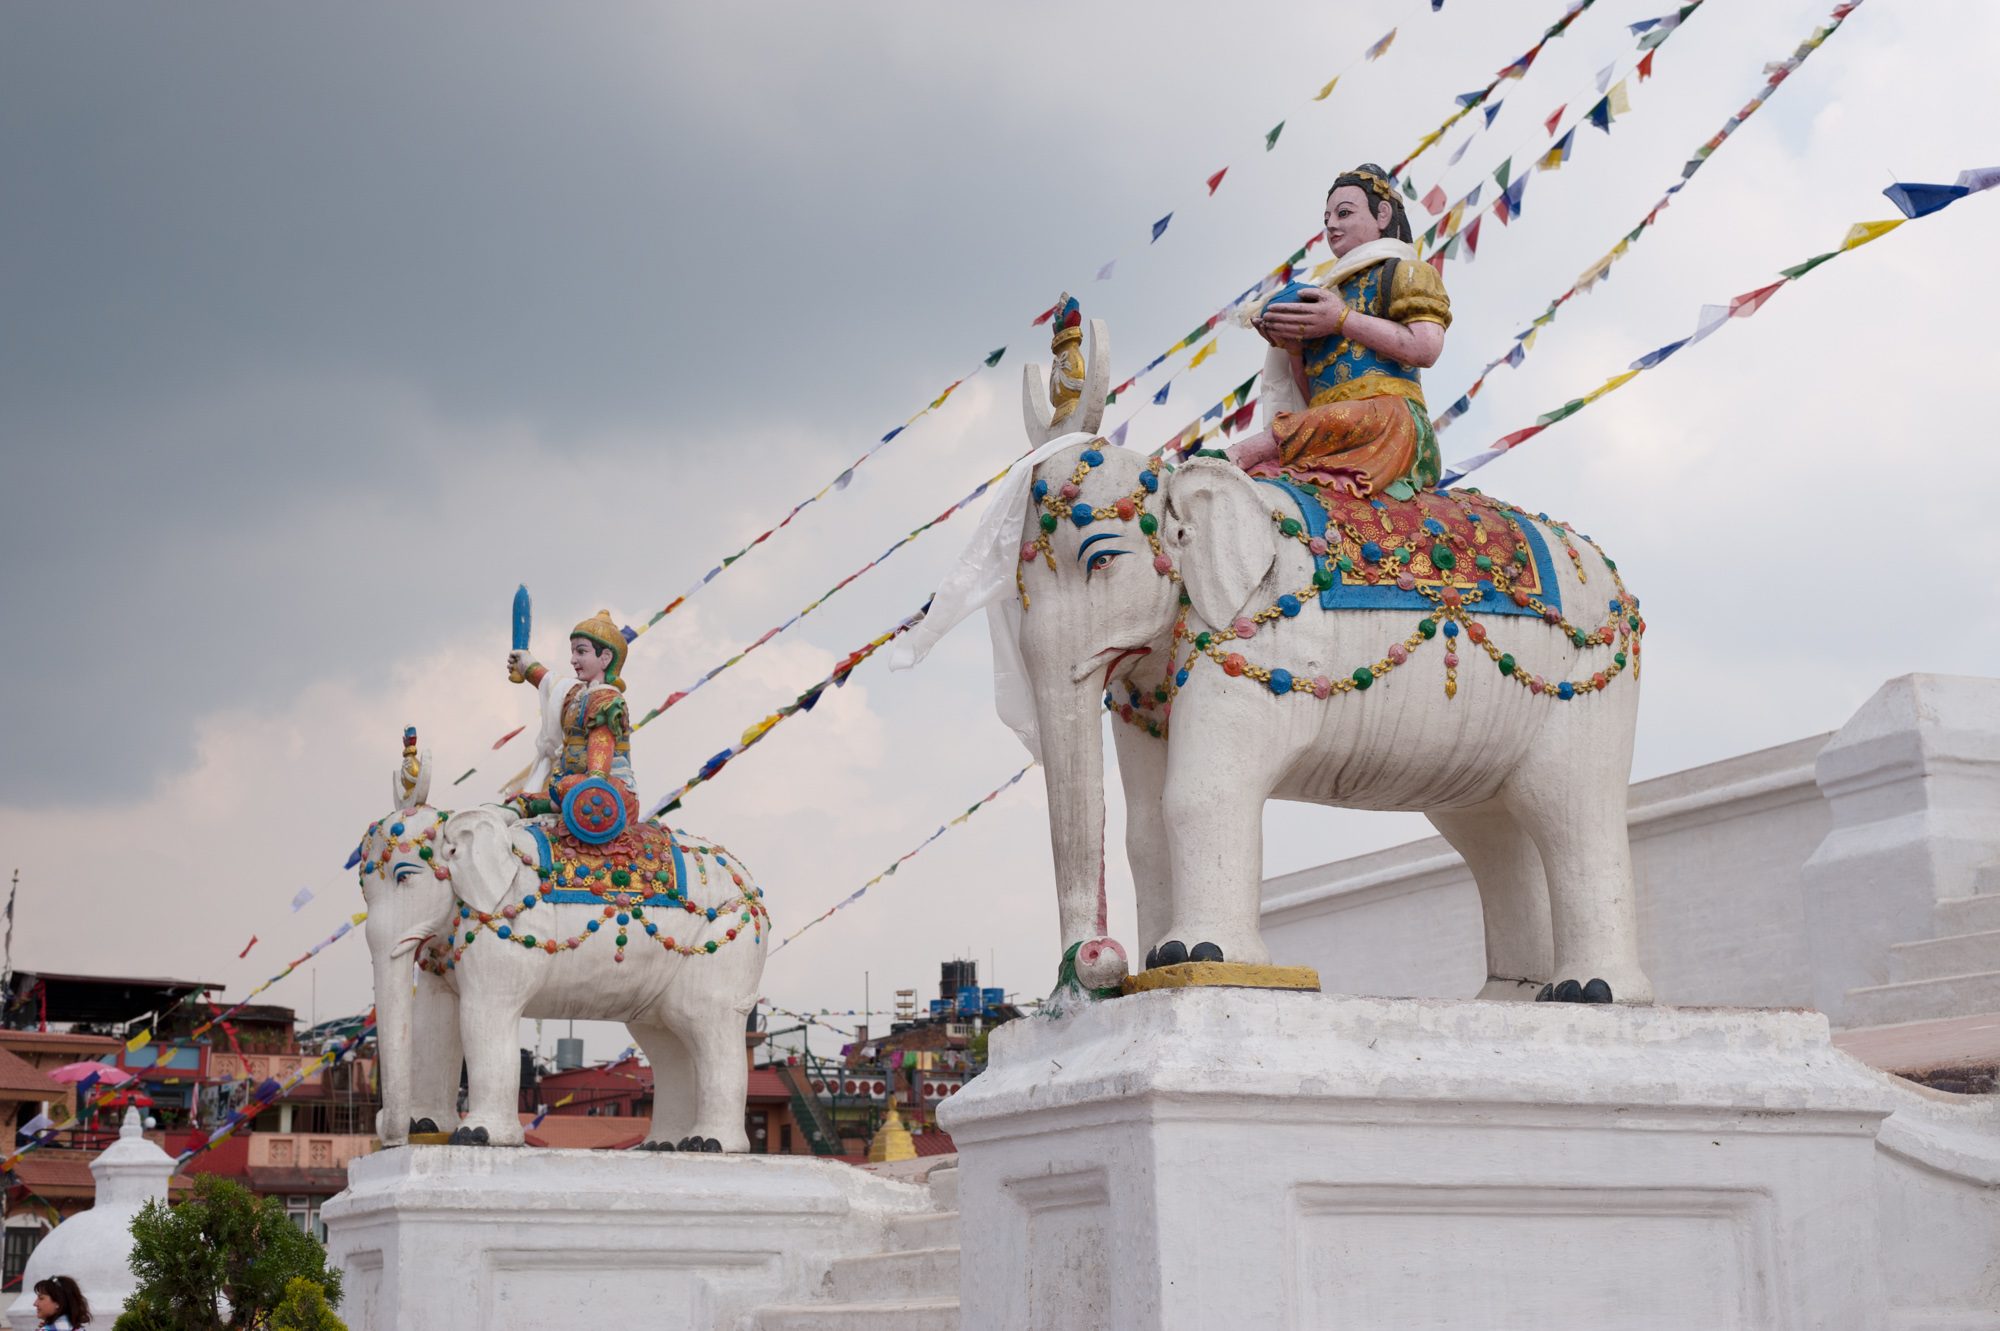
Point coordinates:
[(1190, 601), (502, 924)]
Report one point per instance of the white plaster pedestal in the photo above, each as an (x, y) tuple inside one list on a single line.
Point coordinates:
[(1231, 1158), (440, 1238)]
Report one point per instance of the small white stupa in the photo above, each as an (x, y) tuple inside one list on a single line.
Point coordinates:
[(94, 1247)]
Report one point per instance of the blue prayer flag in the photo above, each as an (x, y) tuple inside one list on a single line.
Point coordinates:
[(1160, 398), (1160, 227), (1923, 200), (1658, 354)]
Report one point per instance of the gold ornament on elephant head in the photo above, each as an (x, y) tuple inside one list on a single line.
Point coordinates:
[(1066, 375)]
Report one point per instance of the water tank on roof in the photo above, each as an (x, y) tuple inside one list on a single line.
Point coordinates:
[(569, 1054), (994, 998), (968, 999)]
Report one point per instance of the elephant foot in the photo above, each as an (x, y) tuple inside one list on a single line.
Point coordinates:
[(1170, 953), (464, 1136), (656, 1146), (1569, 991), (1204, 952), (699, 1144), (422, 1125)]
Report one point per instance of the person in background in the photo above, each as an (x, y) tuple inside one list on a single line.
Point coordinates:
[(60, 1305)]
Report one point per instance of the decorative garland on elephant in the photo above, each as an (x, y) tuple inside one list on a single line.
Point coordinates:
[(1404, 564)]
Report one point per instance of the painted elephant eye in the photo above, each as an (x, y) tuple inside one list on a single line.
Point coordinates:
[(405, 871), (1100, 560)]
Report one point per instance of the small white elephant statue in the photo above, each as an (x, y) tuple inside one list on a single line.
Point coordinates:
[(501, 926), (1189, 601)]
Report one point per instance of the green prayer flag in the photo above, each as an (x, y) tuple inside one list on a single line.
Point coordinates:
[(1111, 397), (994, 359), (1242, 393), (1298, 257), (1271, 139), (1801, 269), (1201, 330), (1568, 409), (1501, 174)]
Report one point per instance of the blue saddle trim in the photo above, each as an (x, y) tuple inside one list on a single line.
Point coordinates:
[(1342, 595), (576, 896)]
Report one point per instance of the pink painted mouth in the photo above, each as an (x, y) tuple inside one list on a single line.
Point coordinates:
[(1118, 654)]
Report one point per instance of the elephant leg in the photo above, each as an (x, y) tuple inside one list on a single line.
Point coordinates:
[(1142, 767), (436, 1056), (491, 1032), (1569, 795), (1513, 896), (1215, 839), (674, 1082), (721, 1076)]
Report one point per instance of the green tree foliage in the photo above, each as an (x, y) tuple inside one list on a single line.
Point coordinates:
[(305, 1309), (223, 1258)]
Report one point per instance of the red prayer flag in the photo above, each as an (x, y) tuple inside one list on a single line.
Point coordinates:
[(1555, 116), (1437, 261), (1750, 302), (1646, 66), (246, 948), (1518, 437), (1044, 317), (1216, 179), (509, 735), (1472, 236), (1435, 200)]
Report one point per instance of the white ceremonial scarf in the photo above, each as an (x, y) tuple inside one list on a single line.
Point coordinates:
[(984, 576), (1280, 393)]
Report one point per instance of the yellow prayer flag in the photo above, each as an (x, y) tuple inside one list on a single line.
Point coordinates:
[(1322, 95), (565, 1100), (1609, 384), (1528, 342), (138, 1042), (1203, 354), (1863, 232), (1619, 103), (1451, 223), (1321, 270), (358, 918), (1553, 159), (754, 733)]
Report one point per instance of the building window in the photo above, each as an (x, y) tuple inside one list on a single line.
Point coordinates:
[(785, 1138), (21, 1241), (303, 1211), (760, 1131)]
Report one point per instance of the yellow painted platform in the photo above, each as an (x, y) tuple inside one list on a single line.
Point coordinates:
[(1222, 975)]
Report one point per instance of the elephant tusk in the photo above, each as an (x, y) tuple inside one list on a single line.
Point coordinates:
[(408, 945)]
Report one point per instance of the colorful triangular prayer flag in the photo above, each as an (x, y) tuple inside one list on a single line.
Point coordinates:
[(1621, 102), (1491, 111), (300, 898), (1159, 229), (1468, 100), (1204, 353), (1435, 201), (1118, 435), (1600, 114), (1646, 67), (1658, 354), (1862, 232), (1459, 151), (1104, 273), (1213, 182), (1323, 93), (1160, 398), (1271, 139), (1044, 316), (1747, 304), (1979, 178), (993, 357), (1501, 173), (1922, 200), (1604, 76), (1472, 238), (1559, 154), (1555, 116), (1375, 52)]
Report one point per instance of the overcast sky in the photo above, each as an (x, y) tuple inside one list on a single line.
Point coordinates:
[(323, 327)]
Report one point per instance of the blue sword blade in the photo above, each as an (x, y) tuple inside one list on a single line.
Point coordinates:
[(523, 617)]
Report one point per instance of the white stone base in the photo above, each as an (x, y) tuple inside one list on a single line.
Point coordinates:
[(438, 1238), (1235, 1158)]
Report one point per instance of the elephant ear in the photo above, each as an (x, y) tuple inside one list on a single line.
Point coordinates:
[(479, 851), (1219, 527)]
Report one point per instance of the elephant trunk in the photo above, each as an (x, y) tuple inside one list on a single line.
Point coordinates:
[(394, 1039), (1071, 727)]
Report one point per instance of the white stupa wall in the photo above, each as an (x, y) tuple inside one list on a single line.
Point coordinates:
[(1779, 878), (94, 1247)]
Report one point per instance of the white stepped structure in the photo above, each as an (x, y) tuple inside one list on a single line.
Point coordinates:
[(912, 1285), (1857, 873)]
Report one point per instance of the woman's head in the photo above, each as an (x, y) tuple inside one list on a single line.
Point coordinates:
[(58, 1296), (1362, 206)]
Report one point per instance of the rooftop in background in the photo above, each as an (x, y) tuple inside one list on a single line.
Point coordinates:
[(35, 997)]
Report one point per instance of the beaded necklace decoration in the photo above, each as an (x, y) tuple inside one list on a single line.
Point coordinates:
[(627, 884), (627, 893), (1060, 503), (1432, 546)]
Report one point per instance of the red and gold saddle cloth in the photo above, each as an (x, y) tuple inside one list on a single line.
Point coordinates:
[(1379, 553)]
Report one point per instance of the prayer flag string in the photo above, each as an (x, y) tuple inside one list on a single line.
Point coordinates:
[(1714, 317), (803, 703), (903, 859), (1524, 341)]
